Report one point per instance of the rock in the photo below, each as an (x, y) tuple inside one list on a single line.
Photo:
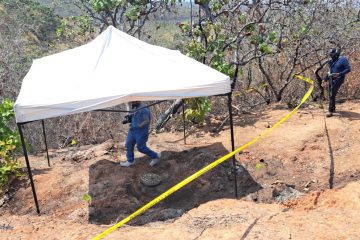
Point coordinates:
[(170, 213), (239, 169), (6, 226), (252, 197), (103, 148), (150, 179), (308, 183), (284, 193), (199, 135), (277, 182), (78, 215), (78, 156), (66, 172), (86, 153), (101, 153), (89, 154), (2, 201)]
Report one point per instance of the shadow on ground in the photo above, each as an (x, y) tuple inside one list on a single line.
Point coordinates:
[(117, 192), (352, 116)]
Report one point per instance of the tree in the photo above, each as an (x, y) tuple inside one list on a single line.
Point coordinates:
[(27, 30), (270, 41), (127, 15)]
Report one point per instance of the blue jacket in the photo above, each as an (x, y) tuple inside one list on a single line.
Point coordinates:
[(141, 120), (342, 66)]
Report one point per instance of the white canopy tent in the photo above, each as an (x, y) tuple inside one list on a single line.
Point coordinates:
[(112, 69)]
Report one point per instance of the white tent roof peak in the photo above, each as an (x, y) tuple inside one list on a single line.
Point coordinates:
[(113, 68)]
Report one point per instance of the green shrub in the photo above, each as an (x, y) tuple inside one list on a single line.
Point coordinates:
[(196, 109), (9, 141)]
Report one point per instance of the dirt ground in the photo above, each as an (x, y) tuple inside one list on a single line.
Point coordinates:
[(302, 181)]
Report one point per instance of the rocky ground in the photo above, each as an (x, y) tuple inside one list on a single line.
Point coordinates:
[(302, 181)]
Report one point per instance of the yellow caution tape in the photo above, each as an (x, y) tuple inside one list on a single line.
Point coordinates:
[(208, 167)]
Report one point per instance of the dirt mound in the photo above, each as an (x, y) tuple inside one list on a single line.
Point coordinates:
[(219, 219), (342, 199), (293, 166)]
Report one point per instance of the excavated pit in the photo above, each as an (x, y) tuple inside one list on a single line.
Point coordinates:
[(114, 200)]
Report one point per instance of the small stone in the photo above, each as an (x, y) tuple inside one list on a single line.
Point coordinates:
[(78, 156), (239, 169), (66, 172), (198, 135), (170, 213), (150, 179), (78, 215), (285, 193)]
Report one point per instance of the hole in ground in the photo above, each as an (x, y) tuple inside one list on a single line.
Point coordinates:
[(117, 192)]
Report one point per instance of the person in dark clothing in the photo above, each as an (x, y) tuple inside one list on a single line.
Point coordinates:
[(138, 135), (338, 67)]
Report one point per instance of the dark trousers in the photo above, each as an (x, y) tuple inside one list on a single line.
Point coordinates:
[(138, 137), (333, 90)]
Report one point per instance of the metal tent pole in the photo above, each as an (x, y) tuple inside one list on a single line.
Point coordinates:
[(46, 146), (191, 17), (28, 167), (232, 140), (183, 110)]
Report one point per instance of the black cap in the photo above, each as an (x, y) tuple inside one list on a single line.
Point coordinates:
[(334, 53)]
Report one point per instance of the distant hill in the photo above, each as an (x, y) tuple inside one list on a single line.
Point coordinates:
[(27, 32), (65, 8)]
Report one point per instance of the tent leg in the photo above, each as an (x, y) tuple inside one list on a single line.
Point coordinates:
[(28, 168), (183, 110), (46, 146), (232, 141)]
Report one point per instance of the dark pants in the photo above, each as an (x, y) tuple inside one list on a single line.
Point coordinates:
[(139, 138), (333, 90)]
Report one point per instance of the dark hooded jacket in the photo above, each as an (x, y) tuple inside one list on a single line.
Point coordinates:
[(341, 66)]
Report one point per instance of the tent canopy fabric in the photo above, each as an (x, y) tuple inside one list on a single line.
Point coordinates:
[(113, 68)]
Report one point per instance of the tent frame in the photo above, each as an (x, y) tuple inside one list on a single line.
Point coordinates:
[(20, 125)]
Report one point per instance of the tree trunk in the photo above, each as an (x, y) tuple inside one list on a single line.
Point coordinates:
[(168, 114)]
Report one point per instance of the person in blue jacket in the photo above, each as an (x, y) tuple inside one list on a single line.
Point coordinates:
[(338, 67), (138, 135)]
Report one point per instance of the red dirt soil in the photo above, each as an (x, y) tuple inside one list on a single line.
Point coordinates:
[(284, 184)]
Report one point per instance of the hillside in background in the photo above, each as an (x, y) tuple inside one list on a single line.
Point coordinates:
[(66, 8), (63, 8), (162, 28), (27, 32), (30, 30)]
